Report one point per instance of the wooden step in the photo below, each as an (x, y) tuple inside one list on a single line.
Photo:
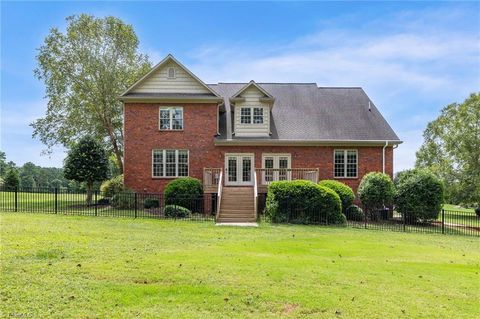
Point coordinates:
[(236, 220)]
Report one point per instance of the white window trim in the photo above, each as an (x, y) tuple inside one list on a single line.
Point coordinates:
[(276, 157), (165, 163), (171, 118), (252, 115), (345, 150)]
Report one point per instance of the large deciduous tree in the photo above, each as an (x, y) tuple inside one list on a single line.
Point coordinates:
[(451, 150), (87, 162), (85, 69)]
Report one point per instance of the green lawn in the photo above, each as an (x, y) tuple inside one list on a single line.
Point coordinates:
[(85, 267)]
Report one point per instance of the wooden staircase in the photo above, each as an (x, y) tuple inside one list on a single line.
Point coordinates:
[(237, 205)]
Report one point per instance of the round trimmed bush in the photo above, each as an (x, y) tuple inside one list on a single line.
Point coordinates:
[(376, 190), (419, 195), (302, 202), (344, 191), (176, 211), (354, 213), (151, 203), (185, 191), (112, 186)]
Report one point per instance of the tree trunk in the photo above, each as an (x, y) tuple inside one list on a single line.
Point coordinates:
[(89, 192)]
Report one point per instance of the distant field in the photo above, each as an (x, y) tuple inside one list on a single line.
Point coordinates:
[(82, 267)]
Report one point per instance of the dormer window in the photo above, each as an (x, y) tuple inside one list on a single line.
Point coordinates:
[(249, 115), (171, 73)]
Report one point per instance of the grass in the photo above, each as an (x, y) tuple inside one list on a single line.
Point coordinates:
[(83, 267)]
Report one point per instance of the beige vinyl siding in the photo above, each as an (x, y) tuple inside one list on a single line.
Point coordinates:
[(158, 82), (252, 99)]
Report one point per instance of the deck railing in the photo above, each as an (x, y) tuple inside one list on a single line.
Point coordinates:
[(211, 178), (267, 175)]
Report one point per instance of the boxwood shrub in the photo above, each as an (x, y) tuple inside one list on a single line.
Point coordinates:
[(112, 186), (151, 202), (376, 190), (303, 202), (419, 195), (185, 191), (344, 191), (124, 200), (355, 213), (175, 211)]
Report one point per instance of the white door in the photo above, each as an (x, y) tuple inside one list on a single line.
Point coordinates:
[(276, 168), (239, 169)]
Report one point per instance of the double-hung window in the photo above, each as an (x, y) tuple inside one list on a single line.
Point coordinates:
[(346, 163), (171, 118), (249, 115), (169, 163)]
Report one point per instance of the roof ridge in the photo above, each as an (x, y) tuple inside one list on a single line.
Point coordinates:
[(340, 87)]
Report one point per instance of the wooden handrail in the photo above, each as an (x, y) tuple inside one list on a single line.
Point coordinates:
[(255, 194), (219, 193), (268, 175)]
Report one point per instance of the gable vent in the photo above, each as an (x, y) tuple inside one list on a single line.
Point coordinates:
[(171, 73)]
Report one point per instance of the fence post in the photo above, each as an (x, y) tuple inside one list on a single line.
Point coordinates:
[(135, 204), (56, 200), (96, 202), (16, 198), (443, 221), (404, 221), (365, 217)]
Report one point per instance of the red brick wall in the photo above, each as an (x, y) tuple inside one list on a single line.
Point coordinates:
[(200, 126)]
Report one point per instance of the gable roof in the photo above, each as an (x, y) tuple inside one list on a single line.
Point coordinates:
[(165, 61), (306, 113), (249, 84)]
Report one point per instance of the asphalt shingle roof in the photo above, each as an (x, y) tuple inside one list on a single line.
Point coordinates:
[(307, 112)]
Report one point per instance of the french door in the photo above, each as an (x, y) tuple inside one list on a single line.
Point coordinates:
[(276, 167), (239, 169)]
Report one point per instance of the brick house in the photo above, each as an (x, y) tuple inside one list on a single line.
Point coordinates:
[(238, 137)]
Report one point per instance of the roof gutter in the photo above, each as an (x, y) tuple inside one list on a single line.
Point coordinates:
[(152, 99), (262, 142)]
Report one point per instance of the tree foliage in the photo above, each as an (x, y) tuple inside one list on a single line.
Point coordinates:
[(11, 180), (419, 195), (376, 190), (85, 69), (451, 150), (86, 162)]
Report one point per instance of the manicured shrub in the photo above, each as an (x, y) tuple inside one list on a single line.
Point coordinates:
[(151, 203), (344, 191), (124, 200), (176, 211), (302, 202), (112, 186), (376, 190), (184, 192), (419, 195), (355, 213), (477, 211)]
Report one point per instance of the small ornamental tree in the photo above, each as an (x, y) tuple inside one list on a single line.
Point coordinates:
[(419, 195), (376, 190), (87, 162), (11, 180)]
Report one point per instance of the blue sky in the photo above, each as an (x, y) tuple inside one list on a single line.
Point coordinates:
[(412, 58)]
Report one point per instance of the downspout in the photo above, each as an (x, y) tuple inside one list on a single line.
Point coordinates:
[(383, 157)]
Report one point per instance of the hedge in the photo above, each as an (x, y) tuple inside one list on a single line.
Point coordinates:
[(354, 213), (176, 211), (303, 202), (419, 195), (344, 191)]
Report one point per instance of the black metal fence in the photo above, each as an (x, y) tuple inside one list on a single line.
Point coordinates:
[(449, 222), (126, 204)]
